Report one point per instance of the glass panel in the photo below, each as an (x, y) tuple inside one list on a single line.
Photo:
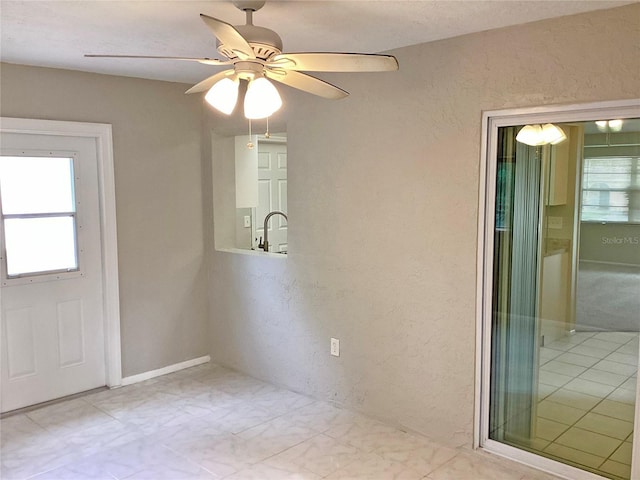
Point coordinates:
[(564, 340), (36, 185), (37, 245)]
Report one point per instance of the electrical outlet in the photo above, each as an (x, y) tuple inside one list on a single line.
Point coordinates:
[(335, 347), (247, 221)]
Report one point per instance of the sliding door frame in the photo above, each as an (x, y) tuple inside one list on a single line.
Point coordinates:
[(491, 121)]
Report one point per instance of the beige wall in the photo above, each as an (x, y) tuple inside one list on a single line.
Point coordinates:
[(611, 243), (383, 203), (157, 153)]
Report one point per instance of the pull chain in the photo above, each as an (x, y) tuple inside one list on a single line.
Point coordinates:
[(250, 144), (267, 134)]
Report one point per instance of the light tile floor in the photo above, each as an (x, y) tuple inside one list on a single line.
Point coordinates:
[(586, 403), (209, 422)]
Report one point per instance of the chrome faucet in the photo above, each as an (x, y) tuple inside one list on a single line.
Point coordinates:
[(265, 245)]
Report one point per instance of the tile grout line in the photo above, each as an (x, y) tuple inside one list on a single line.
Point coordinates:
[(613, 453), (574, 424)]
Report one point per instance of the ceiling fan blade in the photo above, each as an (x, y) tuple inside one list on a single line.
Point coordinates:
[(207, 83), (307, 83), (205, 60), (229, 37), (335, 62)]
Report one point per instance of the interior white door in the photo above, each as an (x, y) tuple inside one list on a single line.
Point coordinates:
[(272, 193), (52, 320)]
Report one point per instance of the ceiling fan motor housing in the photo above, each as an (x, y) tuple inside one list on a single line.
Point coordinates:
[(265, 42), (253, 5)]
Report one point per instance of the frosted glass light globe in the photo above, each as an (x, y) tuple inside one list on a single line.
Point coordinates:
[(223, 95), (261, 100)]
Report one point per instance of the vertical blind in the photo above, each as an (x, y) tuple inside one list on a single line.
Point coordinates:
[(514, 320)]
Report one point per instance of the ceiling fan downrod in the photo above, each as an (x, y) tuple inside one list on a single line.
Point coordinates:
[(248, 7), (264, 42)]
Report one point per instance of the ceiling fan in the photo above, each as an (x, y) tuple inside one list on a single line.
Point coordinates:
[(255, 54)]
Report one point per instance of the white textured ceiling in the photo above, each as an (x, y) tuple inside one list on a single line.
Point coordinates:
[(56, 33)]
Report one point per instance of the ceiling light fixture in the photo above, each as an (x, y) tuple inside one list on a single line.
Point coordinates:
[(261, 100), (536, 135), (609, 125)]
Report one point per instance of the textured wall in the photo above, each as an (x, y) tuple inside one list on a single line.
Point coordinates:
[(157, 153), (383, 202)]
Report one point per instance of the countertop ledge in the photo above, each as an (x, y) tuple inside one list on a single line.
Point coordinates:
[(254, 253)]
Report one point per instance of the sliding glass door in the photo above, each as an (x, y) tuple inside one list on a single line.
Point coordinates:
[(560, 321)]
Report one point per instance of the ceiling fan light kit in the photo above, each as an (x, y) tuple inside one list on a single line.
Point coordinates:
[(609, 125), (256, 55), (536, 135)]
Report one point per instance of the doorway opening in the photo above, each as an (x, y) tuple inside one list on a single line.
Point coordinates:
[(557, 328), (59, 290)]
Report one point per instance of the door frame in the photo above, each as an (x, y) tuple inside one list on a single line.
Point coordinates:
[(273, 140), (491, 121), (102, 134)]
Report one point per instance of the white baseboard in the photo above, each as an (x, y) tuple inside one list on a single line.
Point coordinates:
[(141, 377)]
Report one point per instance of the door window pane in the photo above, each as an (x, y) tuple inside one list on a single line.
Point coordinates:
[(37, 245), (36, 185), (38, 215)]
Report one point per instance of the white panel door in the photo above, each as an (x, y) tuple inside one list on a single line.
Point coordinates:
[(52, 317), (272, 193)]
